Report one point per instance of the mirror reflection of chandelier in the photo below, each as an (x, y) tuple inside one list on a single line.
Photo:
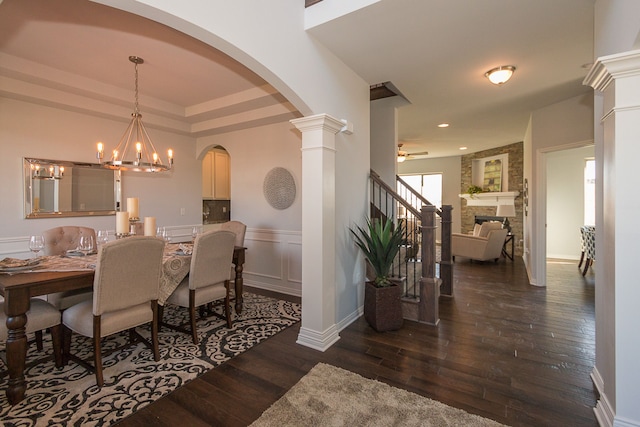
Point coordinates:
[(51, 172), (135, 151)]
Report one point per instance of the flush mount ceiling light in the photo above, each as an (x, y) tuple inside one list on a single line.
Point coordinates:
[(135, 140), (500, 75)]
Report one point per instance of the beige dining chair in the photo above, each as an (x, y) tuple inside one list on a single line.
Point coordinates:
[(237, 227), (125, 295), (41, 316), (208, 278), (57, 241)]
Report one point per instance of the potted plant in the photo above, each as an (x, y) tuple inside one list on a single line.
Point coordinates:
[(473, 190), (380, 244)]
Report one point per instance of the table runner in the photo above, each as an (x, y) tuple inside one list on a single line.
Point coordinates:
[(175, 267)]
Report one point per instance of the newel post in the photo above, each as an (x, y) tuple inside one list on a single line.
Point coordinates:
[(429, 284), (446, 263)]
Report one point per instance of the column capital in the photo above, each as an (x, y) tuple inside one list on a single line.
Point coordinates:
[(611, 67), (322, 121)]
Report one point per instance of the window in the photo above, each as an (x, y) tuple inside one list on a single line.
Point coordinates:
[(428, 185)]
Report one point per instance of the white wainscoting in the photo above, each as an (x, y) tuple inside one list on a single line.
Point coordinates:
[(274, 260)]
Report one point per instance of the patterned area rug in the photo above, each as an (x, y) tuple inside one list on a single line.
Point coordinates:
[(132, 379), (331, 396)]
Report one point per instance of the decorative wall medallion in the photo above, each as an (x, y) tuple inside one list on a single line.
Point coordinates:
[(279, 188)]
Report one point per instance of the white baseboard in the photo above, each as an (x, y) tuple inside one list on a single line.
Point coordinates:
[(318, 340), (603, 411)]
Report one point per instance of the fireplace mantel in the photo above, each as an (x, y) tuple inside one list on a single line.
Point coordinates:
[(492, 198)]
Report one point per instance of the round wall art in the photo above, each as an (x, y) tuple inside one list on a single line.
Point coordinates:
[(279, 188)]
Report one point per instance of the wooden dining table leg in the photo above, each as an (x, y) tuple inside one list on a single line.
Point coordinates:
[(16, 306), (239, 281)]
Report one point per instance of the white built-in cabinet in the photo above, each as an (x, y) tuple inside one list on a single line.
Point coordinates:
[(216, 175)]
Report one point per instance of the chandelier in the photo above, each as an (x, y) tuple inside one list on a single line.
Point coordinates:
[(135, 151)]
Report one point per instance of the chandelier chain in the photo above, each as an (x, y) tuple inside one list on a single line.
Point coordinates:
[(136, 108)]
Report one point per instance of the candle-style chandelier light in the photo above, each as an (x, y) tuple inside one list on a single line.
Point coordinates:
[(135, 151)]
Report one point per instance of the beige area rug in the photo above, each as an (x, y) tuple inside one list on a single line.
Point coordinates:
[(330, 396)]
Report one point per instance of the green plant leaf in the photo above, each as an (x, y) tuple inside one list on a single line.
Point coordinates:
[(380, 244)]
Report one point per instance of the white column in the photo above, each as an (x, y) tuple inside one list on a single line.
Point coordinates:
[(616, 373), (318, 329)]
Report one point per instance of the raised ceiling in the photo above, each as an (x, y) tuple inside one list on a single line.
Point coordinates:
[(435, 52)]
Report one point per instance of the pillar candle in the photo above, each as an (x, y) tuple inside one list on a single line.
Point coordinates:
[(150, 226), (132, 207), (122, 222)]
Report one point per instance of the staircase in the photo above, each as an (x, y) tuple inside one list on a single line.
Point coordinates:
[(424, 274)]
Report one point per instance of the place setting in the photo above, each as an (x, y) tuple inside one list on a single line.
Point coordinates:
[(16, 265), (13, 265), (80, 259)]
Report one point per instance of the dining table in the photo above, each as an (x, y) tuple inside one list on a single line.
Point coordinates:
[(64, 273)]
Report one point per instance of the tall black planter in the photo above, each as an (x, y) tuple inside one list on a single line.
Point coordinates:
[(383, 307)]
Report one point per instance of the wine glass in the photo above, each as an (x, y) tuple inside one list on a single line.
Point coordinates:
[(36, 244), (194, 233), (86, 244), (102, 237), (163, 234)]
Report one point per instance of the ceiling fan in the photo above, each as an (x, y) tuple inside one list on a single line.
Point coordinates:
[(403, 155)]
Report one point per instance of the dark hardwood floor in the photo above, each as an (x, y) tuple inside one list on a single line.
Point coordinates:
[(504, 350)]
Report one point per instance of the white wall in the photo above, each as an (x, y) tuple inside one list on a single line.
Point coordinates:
[(566, 124), (273, 238), (384, 137), (565, 201), (451, 172)]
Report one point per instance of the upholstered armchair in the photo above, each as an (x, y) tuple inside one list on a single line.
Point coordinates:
[(483, 244), (57, 241)]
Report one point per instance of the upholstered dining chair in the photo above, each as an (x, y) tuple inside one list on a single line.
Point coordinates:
[(208, 278), (57, 241), (125, 295), (40, 316), (237, 227), (240, 230)]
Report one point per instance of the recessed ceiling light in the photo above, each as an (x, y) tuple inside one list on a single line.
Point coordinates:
[(443, 125), (463, 148)]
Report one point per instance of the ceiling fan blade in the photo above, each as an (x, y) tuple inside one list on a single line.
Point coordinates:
[(420, 153)]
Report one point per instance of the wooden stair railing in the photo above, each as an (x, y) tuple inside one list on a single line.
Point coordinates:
[(446, 263), (418, 216)]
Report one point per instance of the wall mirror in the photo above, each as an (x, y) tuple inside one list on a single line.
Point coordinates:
[(58, 188)]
